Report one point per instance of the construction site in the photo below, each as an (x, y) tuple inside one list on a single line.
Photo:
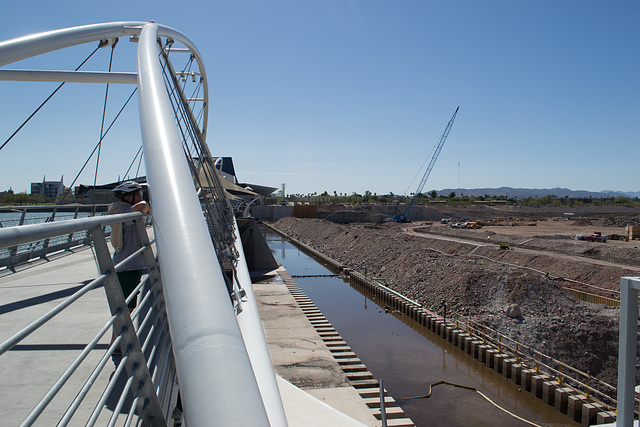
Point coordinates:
[(542, 282), (522, 273)]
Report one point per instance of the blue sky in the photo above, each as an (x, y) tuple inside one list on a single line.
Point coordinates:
[(349, 95)]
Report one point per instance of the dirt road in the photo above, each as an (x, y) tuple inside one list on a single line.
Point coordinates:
[(419, 231)]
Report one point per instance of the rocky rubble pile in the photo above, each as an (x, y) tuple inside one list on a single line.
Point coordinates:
[(552, 321)]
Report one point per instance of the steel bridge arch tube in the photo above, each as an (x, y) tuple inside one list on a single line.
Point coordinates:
[(36, 44), (251, 326), (217, 383)]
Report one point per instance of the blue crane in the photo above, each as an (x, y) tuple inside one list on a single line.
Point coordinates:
[(443, 138)]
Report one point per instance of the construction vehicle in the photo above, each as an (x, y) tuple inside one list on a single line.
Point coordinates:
[(596, 237), (472, 224), (405, 217)]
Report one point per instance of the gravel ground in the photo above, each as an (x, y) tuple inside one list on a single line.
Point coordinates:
[(433, 271)]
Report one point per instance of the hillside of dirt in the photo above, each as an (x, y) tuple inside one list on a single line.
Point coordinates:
[(435, 264)]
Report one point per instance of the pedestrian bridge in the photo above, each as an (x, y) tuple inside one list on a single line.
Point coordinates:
[(56, 317)]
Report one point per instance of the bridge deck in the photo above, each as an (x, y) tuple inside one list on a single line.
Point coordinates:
[(29, 369)]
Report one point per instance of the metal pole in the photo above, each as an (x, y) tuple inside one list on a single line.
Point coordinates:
[(216, 378), (627, 349), (123, 325), (383, 410), (68, 76)]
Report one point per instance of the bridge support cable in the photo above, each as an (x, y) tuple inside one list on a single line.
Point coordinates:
[(212, 195), (140, 154), (98, 144), (104, 113), (211, 357), (46, 100)]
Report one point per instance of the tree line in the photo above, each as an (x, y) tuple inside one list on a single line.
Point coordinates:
[(459, 200), (20, 199)]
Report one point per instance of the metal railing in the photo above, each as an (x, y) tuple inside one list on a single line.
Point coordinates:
[(526, 356), (146, 373), (15, 216), (529, 357), (33, 214)]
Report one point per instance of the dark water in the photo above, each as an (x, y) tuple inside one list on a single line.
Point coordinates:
[(408, 357)]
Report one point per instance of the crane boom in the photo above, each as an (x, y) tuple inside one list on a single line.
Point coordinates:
[(427, 172)]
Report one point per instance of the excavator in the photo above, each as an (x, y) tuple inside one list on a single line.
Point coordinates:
[(405, 217)]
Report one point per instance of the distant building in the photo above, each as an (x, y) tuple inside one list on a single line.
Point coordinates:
[(49, 189), (240, 193)]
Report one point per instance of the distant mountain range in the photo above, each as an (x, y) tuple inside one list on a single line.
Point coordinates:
[(536, 192)]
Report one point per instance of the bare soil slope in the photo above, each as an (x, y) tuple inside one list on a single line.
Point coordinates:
[(443, 268)]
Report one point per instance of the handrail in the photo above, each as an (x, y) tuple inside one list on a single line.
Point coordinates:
[(13, 236)]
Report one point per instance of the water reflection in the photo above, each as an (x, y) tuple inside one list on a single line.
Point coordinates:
[(409, 357)]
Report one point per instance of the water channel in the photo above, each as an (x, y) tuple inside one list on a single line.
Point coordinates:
[(409, 357)]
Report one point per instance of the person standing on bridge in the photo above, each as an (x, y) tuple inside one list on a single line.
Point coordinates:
[(125, 241)]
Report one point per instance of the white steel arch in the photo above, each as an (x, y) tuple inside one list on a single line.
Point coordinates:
[(223, 364), (20, 48)]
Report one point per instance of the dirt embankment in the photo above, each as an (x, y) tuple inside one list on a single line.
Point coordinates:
[(434, 271)]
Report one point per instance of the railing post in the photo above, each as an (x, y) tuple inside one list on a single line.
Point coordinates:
[(383, 409), (52, 218), (560, 374), (13, 251), (628, 343), (135, 363), (75, 216)]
